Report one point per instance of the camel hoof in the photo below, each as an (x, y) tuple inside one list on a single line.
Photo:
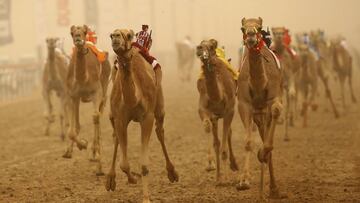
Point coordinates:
[(243, 185), (276, 194), (67, 154), (133, 177), (99, 173), (210, 167), (62, 136), (146, 200), (173, 175), (314, 107), (110, 183), (95, 157), (233, 165), (47, 132), (82, 144)]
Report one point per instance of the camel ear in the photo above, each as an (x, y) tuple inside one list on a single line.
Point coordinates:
[(260, 20), (111, 35), (243, 21), (72, 29), (47, 40), (130, 35), (56, 39), (213, 43), (272, 30), (86, 29)]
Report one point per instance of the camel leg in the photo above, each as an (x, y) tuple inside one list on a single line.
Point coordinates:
[(63, 117), (233, 164), (216, 142), (247, 120), (324, 80), (205, 118), (353, 98), (146, 129), (224, 142), (110, 178), (48, 111), (72, 132), (276, 109), (96, 147), (121, 131), (159, 123), (287, 109), (342, 89)]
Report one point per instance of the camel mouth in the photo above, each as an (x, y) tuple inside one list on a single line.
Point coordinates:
[(79, 42)]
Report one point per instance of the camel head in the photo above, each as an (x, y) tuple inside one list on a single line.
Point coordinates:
[(206, 50), (121, 40), (251, 29), (304, 51), (51, 42), (278, 34), (78, 33)]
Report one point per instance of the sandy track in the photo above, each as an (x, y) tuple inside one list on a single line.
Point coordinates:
[(320, 164)]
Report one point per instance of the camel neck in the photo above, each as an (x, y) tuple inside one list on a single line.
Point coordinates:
[(127, 81), (80, 64), (279, 47), (258, 77), (51, 61), (211, 82)]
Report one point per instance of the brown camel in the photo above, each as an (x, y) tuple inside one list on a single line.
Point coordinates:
[(87, 82), (289, 66), (259, 100), (185, 57), (323, 64), (342, 64), (54, 79), (307, 80), (136, 96), (217, 100)]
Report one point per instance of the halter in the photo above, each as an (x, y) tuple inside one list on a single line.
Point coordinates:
[(260, 41)]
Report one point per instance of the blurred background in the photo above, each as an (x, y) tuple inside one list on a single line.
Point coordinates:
[(25, 24)]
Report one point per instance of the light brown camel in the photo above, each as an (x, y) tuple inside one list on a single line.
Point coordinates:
[(185, 58), (324, 64), (217, 100), (259, 100), (307, 80), (342, 64), (136, 96), (87, 82), (54, 80), (289, 66)]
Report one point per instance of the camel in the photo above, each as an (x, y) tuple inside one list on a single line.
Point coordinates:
[(342, 64), (54, 80), (217, 100), (307, 80), (324, 64), (259, 96), (136, 96), (290, 66), (185, 57), (87, 81)]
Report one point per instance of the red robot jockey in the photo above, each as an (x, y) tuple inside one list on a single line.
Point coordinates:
[(144, 42), (91, 40)]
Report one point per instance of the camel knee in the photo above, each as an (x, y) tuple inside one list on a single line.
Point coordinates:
[(276, 110), (96, 119), (248, 145), (144, 170)]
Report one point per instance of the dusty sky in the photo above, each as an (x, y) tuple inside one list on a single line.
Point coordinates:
[(34, 20)]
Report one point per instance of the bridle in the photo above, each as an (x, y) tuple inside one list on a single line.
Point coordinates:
[(259, 39)]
